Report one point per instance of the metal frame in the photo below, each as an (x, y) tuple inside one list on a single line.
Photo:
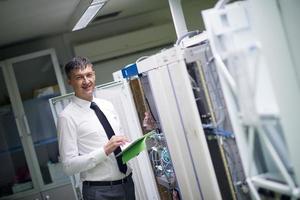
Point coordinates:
[(234, 45), (282, 66), (178, 18)]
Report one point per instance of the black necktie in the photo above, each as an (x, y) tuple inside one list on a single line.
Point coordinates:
[(109, 132)]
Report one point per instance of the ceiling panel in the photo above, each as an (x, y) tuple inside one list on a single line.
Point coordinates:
[(22, 20)]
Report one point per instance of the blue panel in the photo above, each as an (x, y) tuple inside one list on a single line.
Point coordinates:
[(129, 70)]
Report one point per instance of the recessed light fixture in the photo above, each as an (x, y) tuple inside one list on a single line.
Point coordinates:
[(86, 11)]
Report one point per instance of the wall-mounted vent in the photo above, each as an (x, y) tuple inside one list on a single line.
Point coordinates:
[(107, 16)]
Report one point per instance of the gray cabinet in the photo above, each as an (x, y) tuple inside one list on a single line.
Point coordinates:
[(28, 140), (64, 192), (31, 197)]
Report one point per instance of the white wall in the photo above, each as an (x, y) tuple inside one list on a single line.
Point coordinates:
[(105, 69)]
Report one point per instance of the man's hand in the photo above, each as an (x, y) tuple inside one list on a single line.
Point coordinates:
[(114, 142)]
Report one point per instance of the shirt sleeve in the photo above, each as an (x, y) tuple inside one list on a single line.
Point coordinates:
[(71, 160)]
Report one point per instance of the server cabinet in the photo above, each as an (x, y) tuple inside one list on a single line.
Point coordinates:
[(199, 138)]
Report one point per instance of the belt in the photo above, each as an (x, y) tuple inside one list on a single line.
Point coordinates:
[(108, 183)]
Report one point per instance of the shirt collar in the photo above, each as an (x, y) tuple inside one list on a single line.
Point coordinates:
[(81, 102)]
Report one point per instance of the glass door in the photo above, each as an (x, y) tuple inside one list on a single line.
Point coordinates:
[(14, 171), (33, 79)]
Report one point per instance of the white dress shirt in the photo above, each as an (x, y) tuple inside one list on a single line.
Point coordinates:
[(82, 139)]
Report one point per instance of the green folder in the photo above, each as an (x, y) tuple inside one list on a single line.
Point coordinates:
[(135, 148)]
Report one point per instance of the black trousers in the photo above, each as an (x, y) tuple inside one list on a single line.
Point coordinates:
[(123, 191)]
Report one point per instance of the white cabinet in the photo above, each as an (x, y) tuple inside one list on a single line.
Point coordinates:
[(28, 141)]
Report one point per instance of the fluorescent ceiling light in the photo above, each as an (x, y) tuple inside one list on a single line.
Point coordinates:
[(89, 14)]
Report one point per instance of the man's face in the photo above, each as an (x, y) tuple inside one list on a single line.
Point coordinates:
[(83, 82)]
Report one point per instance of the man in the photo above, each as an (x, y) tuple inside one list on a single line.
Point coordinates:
[(87, 144)]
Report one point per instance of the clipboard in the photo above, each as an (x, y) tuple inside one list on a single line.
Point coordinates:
[(134, 148)]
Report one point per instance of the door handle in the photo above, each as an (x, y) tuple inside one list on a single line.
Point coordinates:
[(19, 126), (25, 121)]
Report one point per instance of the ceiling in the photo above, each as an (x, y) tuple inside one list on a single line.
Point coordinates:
[(23, 20)]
